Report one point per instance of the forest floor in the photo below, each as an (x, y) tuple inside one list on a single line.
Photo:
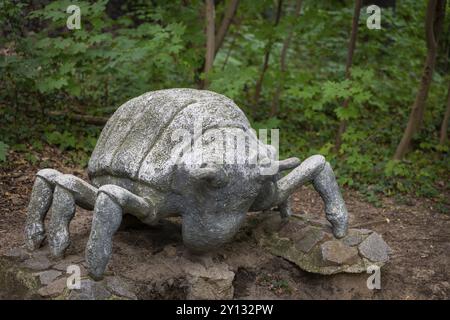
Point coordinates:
[(415, 229)]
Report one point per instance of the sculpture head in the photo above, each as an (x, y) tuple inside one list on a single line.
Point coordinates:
[(215, 200), (215, 194)]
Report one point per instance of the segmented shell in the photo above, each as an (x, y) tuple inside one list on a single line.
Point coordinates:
[(137, 140)]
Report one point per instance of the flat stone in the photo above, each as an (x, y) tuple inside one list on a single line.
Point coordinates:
[(120, 287), (354, 237), (55, 288), (293, 230), (311, 237), (90, 290), (211, 283), (70, 260), (313, 221), (39, 262), (17, 254), (46, 277), (374, 248), (337, 253), (314, 248)]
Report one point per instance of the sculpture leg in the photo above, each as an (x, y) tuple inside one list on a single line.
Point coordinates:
[(285, 208), (63, 210), (40, 201), (326, 185), (112, 201), (319, 172), (69, 190), (268, 194)]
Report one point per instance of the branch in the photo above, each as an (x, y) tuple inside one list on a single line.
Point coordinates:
[(429, 24), (287, 41), (444, 125), (210, 35), (226, 22), (352, 44)]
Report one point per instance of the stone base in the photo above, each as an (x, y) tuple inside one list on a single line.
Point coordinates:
[(311, 245), (152, 263), (26, 275)]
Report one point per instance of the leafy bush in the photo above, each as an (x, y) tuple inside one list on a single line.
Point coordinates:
[(149, 45), (3, 151)]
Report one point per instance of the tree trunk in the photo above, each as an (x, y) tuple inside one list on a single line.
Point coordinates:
[(276, 98), (433, 27), (210, 41), (258, 86), (348, 66), (233, 42), (226, 22), (444, 125)]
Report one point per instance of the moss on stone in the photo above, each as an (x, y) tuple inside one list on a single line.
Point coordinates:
[(17, 281)]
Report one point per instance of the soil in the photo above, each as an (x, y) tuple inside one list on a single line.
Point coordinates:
[(415, 229)]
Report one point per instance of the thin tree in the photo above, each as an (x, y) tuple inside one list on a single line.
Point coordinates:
[(268, 49), (287, 41), (444, 125), (433, 27), (348, 66), (232, 44), (215, 40), (225, 25), (210, 40)]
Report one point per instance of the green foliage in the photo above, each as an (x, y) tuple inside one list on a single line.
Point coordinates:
[(64, 140), (80, 143), (94, 64), (3, 151), (150, 45)]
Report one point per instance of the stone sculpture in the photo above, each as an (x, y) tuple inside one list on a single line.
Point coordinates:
[(140, 167)]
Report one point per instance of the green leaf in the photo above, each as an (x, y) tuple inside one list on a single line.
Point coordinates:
[(3, 151), (350, 112), (333, 90)]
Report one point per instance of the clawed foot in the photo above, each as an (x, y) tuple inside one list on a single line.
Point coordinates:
[(338, 217), (58, 241), (54, 192)]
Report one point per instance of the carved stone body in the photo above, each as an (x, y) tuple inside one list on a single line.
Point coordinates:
[(162, 154)]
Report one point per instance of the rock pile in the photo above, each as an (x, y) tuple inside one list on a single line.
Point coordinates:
[(312, 247), (143, 269)]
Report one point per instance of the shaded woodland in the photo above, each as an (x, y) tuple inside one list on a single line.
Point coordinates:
[(375, 102)]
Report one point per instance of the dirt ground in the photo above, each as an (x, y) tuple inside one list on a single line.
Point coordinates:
[(416, 231)]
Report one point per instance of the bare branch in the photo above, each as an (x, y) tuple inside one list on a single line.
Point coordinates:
[(226, 22)]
